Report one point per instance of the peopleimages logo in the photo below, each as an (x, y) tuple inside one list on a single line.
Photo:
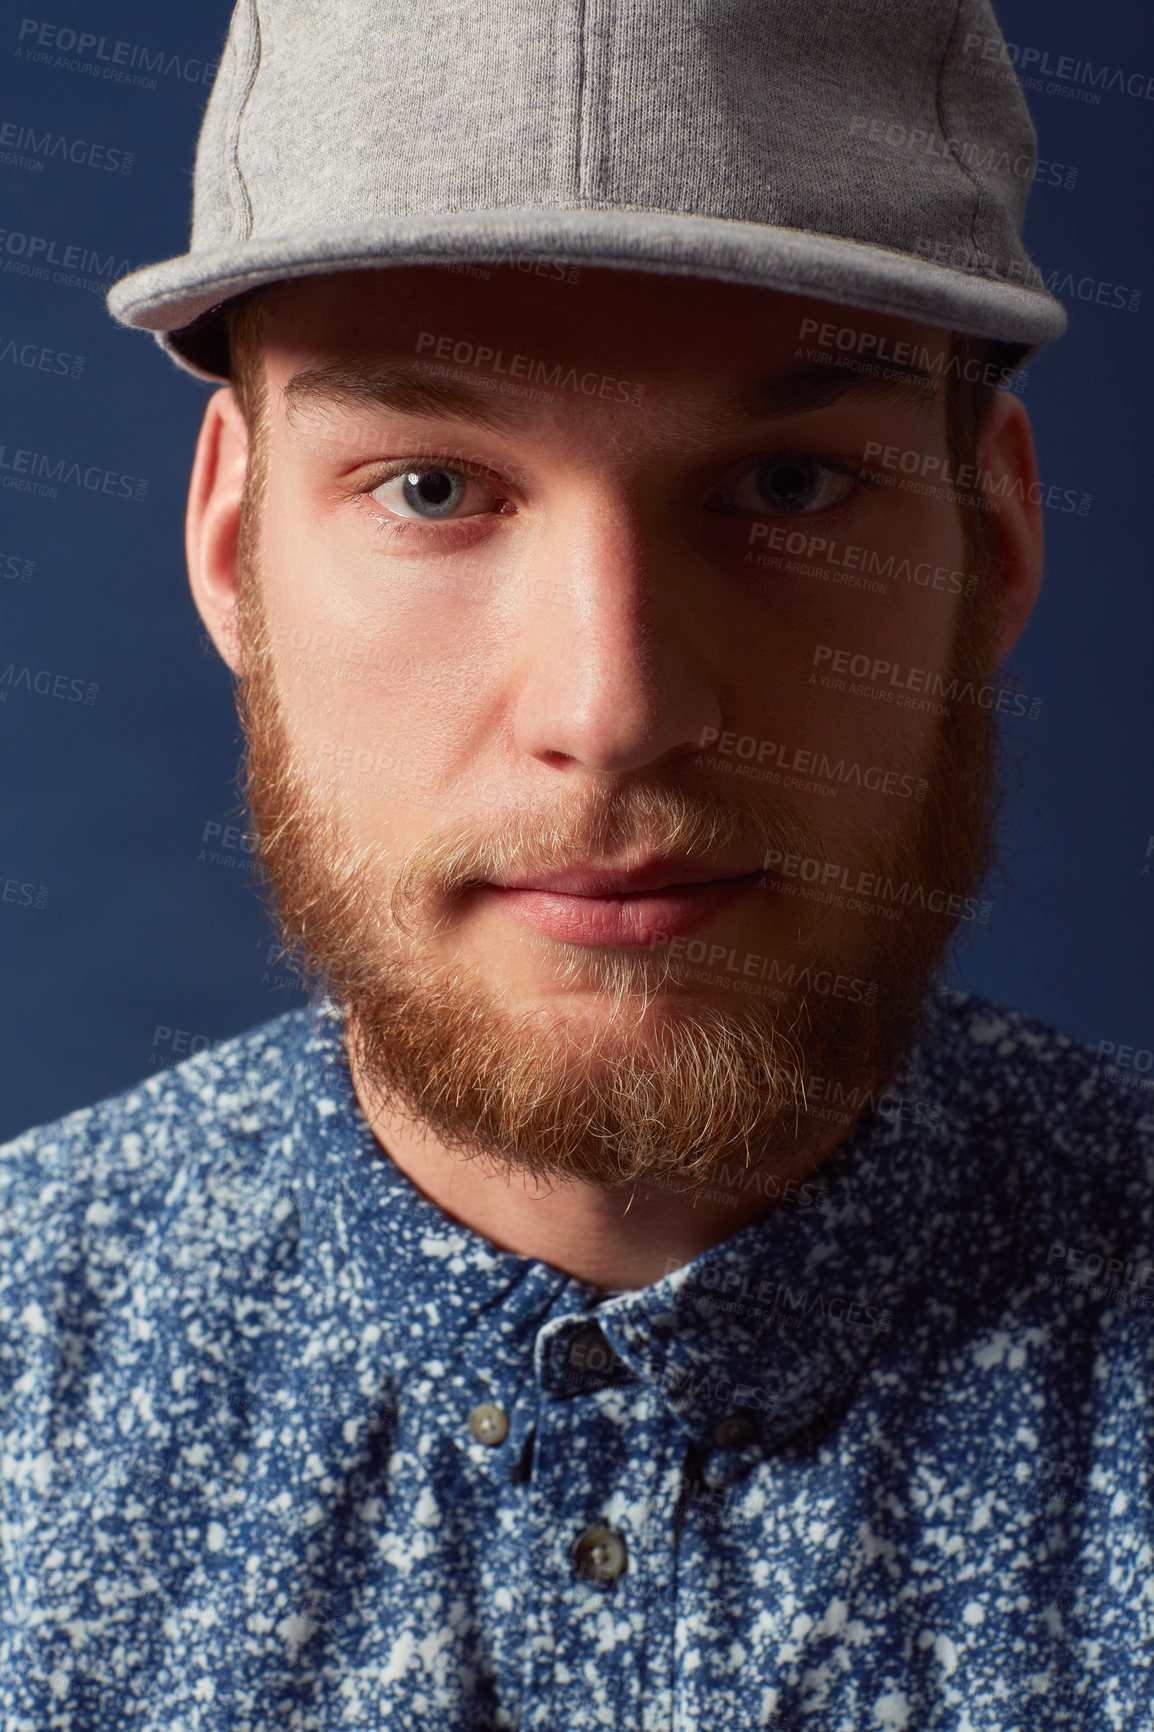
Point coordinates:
[(46, 684), (33, 472), (921, 573), (963, 256), (982, 158), (535, 372), (36, 146), (1033, 64), (867, 892), (754, 966), (16, 568), (24, 895), (1069, 285), (73, 267), (1089, 1265), (984, 487), (883, 673), (787, 1304), (39, 358), (852, 339), (809, 761), (117, 63)]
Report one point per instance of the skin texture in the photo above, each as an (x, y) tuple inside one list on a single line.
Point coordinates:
[(533, 682)]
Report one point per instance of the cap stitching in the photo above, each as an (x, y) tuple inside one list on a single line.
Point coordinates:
[(580, 141), (943, 123), (244, 203)]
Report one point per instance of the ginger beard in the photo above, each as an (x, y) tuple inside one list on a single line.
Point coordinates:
[(668, 1078)]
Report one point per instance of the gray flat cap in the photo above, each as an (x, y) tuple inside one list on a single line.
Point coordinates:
[(854, 150)]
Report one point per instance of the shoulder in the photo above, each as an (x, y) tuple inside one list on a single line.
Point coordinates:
[(1072, 1135), (106, 1171), (1009, 1067)]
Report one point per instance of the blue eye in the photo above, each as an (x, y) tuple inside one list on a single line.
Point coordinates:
[(792, 481), (787, 483), (432, 491)]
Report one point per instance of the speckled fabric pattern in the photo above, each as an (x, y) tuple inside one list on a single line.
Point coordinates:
[(880, 1460)]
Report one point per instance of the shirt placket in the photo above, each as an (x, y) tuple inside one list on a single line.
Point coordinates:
[(607, 1465)]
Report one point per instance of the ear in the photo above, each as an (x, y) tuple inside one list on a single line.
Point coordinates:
[(1009, 469), (212, 521)]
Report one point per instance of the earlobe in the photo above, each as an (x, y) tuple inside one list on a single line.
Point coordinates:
[(1009, 471), (212, 522)]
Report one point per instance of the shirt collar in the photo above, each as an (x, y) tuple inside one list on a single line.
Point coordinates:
[(784, 1317), (776, 1322), (442, 1294)]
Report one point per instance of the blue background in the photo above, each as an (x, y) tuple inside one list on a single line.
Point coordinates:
[(105, 805)]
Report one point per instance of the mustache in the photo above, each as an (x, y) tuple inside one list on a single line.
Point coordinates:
[(632, 819)]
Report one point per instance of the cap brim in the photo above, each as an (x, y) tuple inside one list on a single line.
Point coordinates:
[(180, 299)]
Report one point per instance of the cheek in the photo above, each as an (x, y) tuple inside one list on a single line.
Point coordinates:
[(803, 660), (840, 714), (391, 730), (371, 753), (341, 651)]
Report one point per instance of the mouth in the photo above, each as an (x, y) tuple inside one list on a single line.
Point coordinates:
[(587, 878), (642, 907)]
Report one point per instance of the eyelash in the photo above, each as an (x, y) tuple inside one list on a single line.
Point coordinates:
[(458, 532), (449, 533), (860, 477)]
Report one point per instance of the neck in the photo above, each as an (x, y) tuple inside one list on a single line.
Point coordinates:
[(613, 1238)]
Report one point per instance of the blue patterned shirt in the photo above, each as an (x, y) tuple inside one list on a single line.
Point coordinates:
[(284, 1447)]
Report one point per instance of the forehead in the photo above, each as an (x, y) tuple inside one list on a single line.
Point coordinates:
[(626, 326)]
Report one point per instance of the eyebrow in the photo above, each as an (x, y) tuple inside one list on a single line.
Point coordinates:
[(398, 388), (800, 389), (395, 388)]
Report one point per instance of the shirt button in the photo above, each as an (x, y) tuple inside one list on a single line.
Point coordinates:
[(600, 1554), (735, 1431), (489, 1423), (590, 1352)]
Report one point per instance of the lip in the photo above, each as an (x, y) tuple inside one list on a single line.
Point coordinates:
[(633, 918), (660, 873)]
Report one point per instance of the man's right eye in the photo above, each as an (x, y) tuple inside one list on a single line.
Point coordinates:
[(432, 492)]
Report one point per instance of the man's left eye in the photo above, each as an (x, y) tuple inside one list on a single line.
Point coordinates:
[(428, 492), (788, 483)]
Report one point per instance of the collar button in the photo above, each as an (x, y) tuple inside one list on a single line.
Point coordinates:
[(736, 1431), (585, 1362), (589, 1352)]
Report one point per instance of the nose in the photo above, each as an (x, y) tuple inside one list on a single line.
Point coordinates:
[(613, 674)]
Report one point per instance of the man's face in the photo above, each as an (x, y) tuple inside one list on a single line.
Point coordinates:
[(552, 583)]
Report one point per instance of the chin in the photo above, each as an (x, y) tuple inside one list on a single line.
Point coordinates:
[(597, 1027)]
